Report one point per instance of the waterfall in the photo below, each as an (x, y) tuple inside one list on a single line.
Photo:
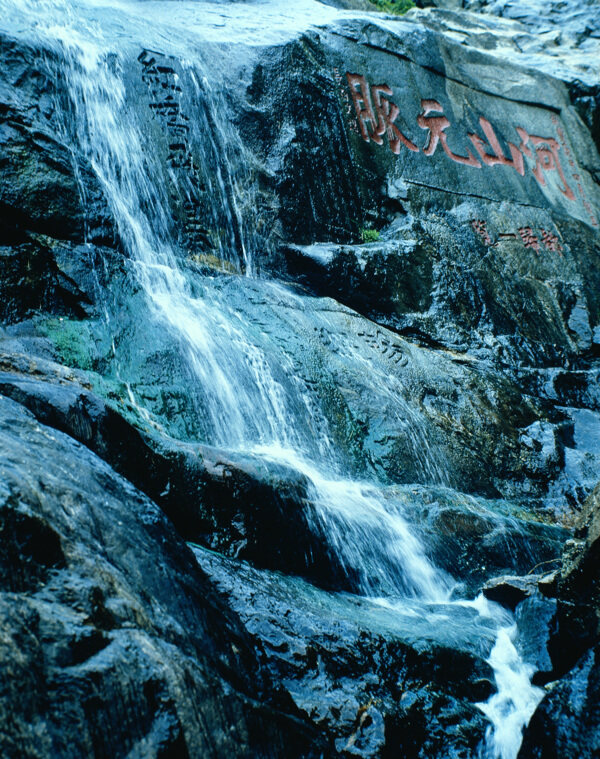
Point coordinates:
[(515, 701), (251, 399)]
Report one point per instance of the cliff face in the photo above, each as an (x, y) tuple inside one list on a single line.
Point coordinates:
[(401, 395), (567, 720)]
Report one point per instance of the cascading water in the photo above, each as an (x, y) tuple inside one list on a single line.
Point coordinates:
[(250, 398)]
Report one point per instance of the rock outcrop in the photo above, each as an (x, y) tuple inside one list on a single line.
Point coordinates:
[(112, 640), (567, 722)]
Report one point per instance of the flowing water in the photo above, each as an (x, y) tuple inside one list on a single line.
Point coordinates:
[(251, 398)]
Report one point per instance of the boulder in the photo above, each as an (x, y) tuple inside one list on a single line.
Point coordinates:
[(381, 680), (112, 639), (510, 591)]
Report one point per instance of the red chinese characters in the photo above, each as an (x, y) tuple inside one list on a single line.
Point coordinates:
[(551, 242), (437, 126), (377, 116), (497, 157), (526, 236), (480, 227), (381, 118), (546, 157), (529, 239)]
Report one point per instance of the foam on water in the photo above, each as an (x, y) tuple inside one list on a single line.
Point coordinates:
[(511, 707)]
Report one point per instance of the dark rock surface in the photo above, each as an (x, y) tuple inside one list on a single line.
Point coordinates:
[(579, 587), (112, 641), (567, 722), (248, 507), (511, 591), (382, 684), (433, 278)]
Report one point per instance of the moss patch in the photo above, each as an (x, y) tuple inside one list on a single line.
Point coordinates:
[(398, 7), (369, 235), (73, 340)]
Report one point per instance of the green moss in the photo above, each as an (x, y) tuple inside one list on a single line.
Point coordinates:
[(398, 7), (369, 235), (73, 341)]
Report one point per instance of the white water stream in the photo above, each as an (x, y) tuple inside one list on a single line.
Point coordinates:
[(253, 401)]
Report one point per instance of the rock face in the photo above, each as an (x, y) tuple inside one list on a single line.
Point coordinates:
[(324, 301), (112, 641), (579, 587), (567, 722), (382, 684)]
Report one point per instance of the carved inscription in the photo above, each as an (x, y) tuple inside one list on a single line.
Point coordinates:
[(480, 227), (165, 103), (526, 235), (377, 117), (575, 172)]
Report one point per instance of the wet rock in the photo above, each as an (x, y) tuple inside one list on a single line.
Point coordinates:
[(474, 539), (380, 680), (451, 350), (43, 180), (535, 617), (510, 591), (578, 589), (432, 277), (567, 723), (426, 276), (102, 604), (31, 281), (240, 505), (249, 507)]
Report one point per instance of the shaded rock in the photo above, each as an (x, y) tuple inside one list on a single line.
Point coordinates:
[(102, 604), (381, 681), (586, 98), (32, 282), (474, 539), (43, 180), (547, 584), (567, 722), (579, 589), (510, 591)]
